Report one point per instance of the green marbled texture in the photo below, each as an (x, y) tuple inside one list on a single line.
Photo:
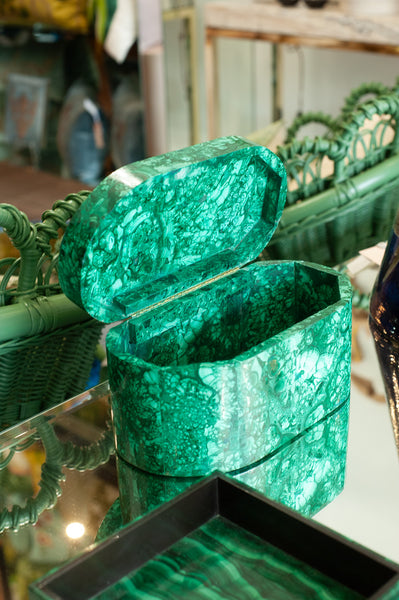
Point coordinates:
[(392, 594), (221, 560), (227, 374), (305, 475), (162, 225), (223, 376), (111, 523), (308, 473)]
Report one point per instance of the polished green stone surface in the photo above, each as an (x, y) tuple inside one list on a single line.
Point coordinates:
[(162, 225), (305, 475), (220, 378), (392, 594), (222, 560), (309, 472)]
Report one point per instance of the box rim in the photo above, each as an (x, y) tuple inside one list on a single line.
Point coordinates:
[(345, 291)]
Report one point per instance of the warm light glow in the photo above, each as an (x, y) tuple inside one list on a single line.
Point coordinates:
[(75, 530)]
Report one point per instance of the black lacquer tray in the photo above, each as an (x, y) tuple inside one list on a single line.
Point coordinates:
[(221, 539)]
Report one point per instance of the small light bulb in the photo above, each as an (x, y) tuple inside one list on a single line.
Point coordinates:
[(75, 530)]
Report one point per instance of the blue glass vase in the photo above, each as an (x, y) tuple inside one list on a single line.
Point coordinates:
[(384, 323)]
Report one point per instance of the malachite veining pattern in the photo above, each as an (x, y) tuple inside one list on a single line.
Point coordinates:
[(392, 594), (227, 374), (308, 473), (221, 560), (159, 226), (305, 475), (222, 376)]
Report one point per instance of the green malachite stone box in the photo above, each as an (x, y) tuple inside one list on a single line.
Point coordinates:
[(304, 474), (215, 365)]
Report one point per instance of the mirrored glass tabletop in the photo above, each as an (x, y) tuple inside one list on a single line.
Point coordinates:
[(59, 486)]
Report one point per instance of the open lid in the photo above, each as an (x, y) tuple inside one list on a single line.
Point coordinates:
[(160, 226)]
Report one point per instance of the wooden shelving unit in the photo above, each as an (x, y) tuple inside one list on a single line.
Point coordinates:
[(267, 20)]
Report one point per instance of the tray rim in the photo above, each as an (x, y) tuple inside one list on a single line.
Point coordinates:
[(104, 563)]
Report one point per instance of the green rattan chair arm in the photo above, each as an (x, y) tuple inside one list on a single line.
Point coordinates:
[(37, 316), (307, 118), (324, 205)]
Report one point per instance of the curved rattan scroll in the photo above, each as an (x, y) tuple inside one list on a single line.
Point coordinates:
[(58, 456), (32, 271), (321, 118), (360, 94), (354, 142)]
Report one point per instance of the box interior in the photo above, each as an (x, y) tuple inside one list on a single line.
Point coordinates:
[(230, 316), (290, 539)]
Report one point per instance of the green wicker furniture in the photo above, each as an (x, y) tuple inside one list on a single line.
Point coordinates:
[(343, 185), (47, 344)]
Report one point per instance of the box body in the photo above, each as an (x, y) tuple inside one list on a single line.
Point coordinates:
[(305, 475), (222, 377), (216, 365)]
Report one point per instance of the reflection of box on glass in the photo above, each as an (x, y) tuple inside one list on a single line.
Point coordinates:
[(26, 99), (305, 474), (220, 366)]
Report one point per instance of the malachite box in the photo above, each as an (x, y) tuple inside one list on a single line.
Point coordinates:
[(217, 363), (221, 540)]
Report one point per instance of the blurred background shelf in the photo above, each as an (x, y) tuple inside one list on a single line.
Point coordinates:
[(268, 21)]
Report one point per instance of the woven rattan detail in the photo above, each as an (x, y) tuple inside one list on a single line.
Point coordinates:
[(50, 360), (43, 370), (342, 186)]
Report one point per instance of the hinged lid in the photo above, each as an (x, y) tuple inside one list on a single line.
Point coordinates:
[(160, 226)]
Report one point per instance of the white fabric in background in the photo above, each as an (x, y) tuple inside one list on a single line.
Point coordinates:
[(122, 32)]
